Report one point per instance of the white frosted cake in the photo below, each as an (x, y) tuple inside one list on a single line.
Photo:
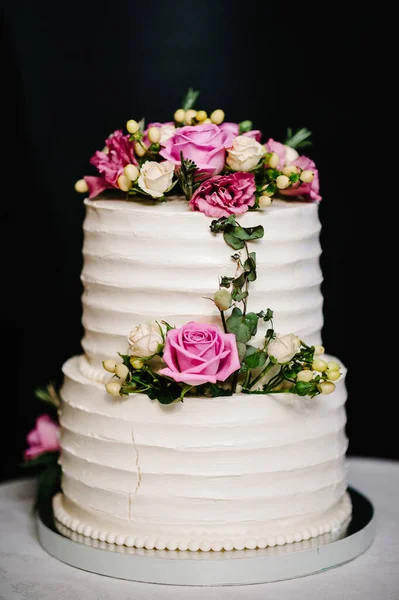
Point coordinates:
[(240, 456)]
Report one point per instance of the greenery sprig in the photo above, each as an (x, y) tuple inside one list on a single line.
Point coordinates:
[(187, 176)]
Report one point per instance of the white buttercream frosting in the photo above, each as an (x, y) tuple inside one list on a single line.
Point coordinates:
[(235, 472)]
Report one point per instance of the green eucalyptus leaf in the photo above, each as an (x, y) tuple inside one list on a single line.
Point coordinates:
[(239, 296), (241, 347), (233, 240), (256, 360)]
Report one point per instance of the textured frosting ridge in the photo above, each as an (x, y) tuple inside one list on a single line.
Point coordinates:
[(146, 261)]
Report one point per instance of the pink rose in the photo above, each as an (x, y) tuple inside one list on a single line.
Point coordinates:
[(203, 144), (111, 165), (199, 353), (166, 130), (43, 438), (309, 191), (232, 130), (225, 195)]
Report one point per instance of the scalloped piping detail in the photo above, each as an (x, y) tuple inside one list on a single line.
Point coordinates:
[(93, 373), (333, 524)]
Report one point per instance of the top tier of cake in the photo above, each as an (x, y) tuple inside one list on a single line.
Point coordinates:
[(150, 260)]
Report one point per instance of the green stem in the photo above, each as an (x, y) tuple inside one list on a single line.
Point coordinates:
[(262, 374), (223, 320)]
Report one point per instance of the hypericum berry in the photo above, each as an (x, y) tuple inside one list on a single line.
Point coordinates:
[(113, 388), (154, 135), (81, 186), (136, 363), (206, 121), (264, 201), (333, 366), (122, 371), (289, 170), (201, 115), (319, 365), (273, 160), (132, 172), (332, 375), (189, 116), (318, 350), (179, 115), (124, 183), (222, 299), (305, 376), (326, 387), (282, 182), (306, 176), (217, 116), (140, 148), (132, 126), (109, 365)]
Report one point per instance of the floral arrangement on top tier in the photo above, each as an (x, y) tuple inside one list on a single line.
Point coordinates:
[(222, 168)]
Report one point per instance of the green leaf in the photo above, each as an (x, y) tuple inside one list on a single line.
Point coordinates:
[(216, 391), (256, 359), (226, 281), (300, 139), (233, 240), (239, 281), (48, 395), (239, 296), (241, 347), (243, 326), (190, 98), (272, 174), (303, 388)]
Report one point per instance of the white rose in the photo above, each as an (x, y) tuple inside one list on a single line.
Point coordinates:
[(244, 154), (155, 178), (290, 155), (145, 340), (283, 348), (166, 132)]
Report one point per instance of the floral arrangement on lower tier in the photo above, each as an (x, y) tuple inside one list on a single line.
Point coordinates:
[(221, 167), (43, 449), (167, 362)]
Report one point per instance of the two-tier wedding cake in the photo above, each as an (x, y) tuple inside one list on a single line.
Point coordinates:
[(203, 413)]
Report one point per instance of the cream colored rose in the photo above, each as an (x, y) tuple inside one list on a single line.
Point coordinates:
[(283, 348), (156, 178), (290, 155), (244, 154), (145, 340)]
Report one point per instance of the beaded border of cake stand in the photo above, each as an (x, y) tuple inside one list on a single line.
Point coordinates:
[(236, 567)]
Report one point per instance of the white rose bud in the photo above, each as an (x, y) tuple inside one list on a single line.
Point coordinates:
[(122, 371), (319, 365), (132, 172), (222, 299), (154, 135), (326, 387), (132, 126), (283, 348), (244, 154), (282, 182), (306, 176), (290, 154), (305, 376), (156, 178), (145, 340), (81, 186), (332, 375), (113, 388)]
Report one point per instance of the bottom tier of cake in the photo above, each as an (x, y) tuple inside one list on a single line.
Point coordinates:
[(233, 472)]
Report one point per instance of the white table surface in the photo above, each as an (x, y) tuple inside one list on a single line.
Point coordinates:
[(28, 572)]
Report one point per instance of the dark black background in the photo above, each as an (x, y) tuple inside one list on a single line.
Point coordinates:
[(77, 71)]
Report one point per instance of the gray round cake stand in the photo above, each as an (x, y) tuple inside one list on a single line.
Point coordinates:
[(236, 567)]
